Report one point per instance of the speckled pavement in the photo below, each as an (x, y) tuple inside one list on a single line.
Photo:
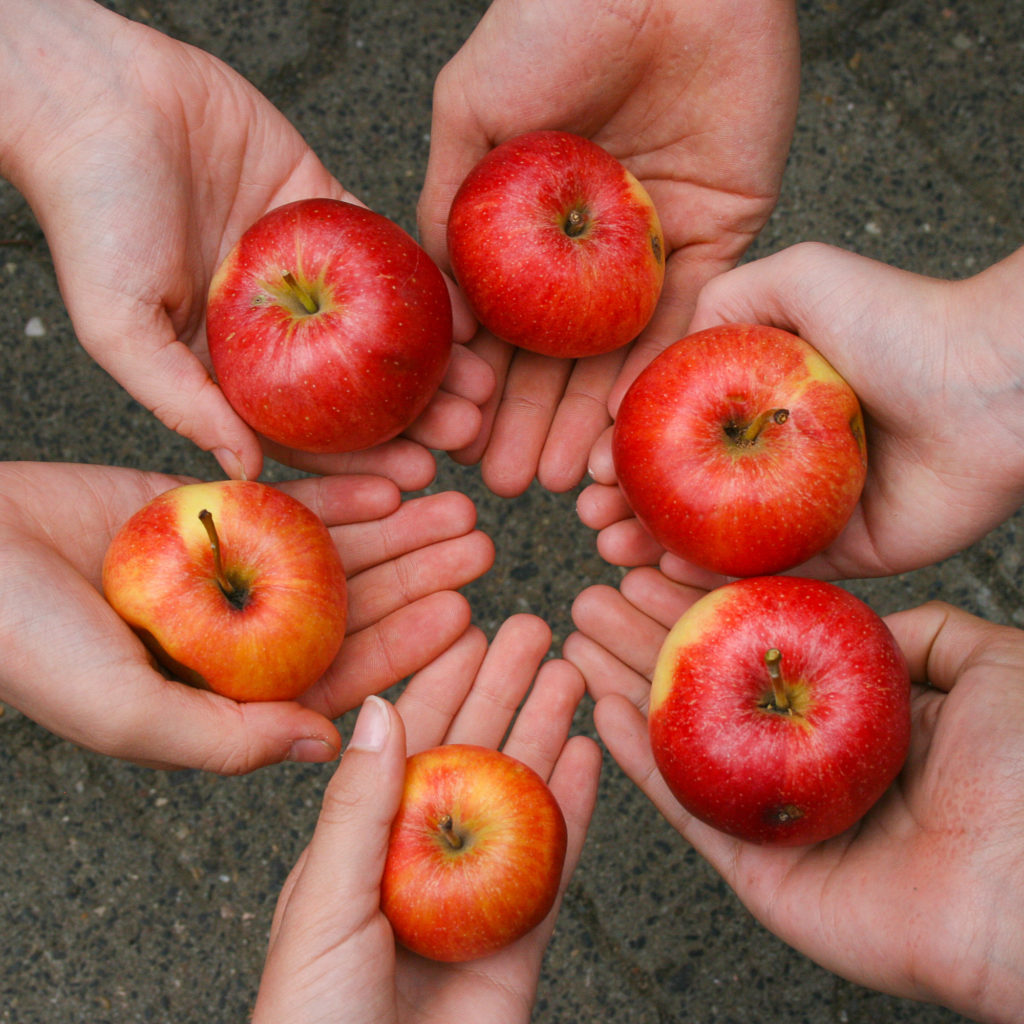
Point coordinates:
[(130, 895)]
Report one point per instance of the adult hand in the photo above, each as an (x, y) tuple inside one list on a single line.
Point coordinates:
[(697, 100), (71, 664), (332, 954), (921, 899), (934, 364), (144, 160)]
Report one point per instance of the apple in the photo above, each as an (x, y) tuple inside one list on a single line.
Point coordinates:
[(233, 585), (556, 246), (780, 709), (329, 328), (741, 450), (475, 854)]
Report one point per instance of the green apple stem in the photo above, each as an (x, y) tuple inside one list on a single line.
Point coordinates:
[(780, 699), (447, 827), (230, 591), (305, 299), (756, 425)]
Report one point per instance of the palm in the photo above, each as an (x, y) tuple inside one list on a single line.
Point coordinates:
[(899, 901), (152, 183), (933, 369), (698, 102), (400, 561)]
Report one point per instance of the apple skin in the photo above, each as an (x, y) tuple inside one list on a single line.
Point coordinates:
[(736, 507), (358, 370), (452, 904), (760, 774), (526, 278), (159, 576)]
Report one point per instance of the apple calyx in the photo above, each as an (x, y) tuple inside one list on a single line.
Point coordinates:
[(451, 837), (300, 294), (746, 435), (237, 596), (778, 700)]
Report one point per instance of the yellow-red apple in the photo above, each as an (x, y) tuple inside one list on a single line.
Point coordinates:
[(780, 709), (475, 854), (234, 586)]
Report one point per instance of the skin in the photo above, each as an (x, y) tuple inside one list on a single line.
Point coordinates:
[(697, 100), (144, 159), (332, 956), (937, 366), (77, 669), (921, 898)]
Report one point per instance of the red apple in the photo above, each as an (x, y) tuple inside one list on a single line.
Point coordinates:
[(234, 586), (475, 854), (741, 449), (329, 328), (556, 246), (780, 709)]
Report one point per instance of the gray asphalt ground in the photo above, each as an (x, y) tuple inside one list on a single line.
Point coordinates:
[(128, 895)]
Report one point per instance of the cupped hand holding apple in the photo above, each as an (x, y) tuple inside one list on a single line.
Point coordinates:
[(330, 945), (75, 667), (933, 364), (922, 898), (698, 101), (741, 449), (145, 159)]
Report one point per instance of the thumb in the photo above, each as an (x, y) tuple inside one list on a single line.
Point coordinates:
[(165, 376), (329, 942), (338, 877)]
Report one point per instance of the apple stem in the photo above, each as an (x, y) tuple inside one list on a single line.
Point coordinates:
[(300, 293), (575, 223), (447, 827), (229, 590), (754, 428), (780, 699)]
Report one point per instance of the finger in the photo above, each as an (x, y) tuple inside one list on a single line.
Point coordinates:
[(378, 656), (165, 376), (658, 596), (600, 465), (534, 386), (623, 730), (448, 422), (542, 726), (621, 663), (384, 589), (574, 783), (469, 376), (628, 543), (412, 525), (498, 356), (342, 500), (580, 417), (401, 460), (504, 678), (941, 642), (600, 506), (434, 695), (329, 908)]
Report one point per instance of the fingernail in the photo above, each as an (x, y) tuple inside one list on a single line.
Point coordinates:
[(310, 751), (372, 725), (229, 462)]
